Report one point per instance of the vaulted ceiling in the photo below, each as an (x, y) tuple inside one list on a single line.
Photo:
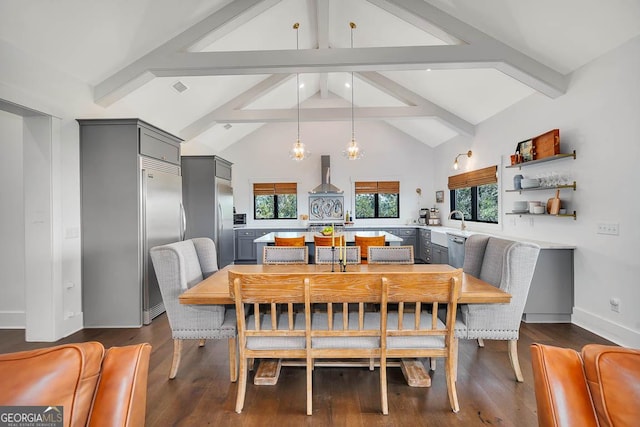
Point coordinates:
[(433, 69)]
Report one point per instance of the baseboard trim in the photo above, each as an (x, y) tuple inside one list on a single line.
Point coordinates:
[(10, 319), (607, 329)]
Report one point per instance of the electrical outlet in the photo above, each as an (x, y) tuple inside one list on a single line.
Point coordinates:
[(610, 228), (614, 304)]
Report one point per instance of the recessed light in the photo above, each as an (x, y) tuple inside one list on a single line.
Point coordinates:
[(179, 87), (301, 85), (428, 69), (347, 85)]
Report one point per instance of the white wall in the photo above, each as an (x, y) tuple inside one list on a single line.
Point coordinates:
[(12, 289), (599, 117), (389, 155)]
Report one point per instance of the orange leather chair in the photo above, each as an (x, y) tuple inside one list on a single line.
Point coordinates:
[(95, 387), (598, 387), (289, 241), (328, 240), (364, 242)]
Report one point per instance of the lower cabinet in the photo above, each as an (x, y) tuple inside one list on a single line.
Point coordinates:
[(439, 254), (424, 246), (245, 248), (408, 235)]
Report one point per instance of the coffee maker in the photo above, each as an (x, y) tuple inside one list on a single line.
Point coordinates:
[(423, 219)]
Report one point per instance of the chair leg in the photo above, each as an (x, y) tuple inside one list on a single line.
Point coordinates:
[(233, 359), (310, 363), (201, 342), (383, 386), (177, 353), (242, 384), (432, 363), (480, 342), (513, 358), (450, 374), (372, 364), (456, 341)]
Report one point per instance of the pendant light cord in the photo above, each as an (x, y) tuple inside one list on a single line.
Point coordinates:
[(353, 133), (296, 26)]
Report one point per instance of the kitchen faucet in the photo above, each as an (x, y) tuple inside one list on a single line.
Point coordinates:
[(462, 225)]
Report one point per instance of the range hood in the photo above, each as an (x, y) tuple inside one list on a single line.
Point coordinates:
[(325, 178)]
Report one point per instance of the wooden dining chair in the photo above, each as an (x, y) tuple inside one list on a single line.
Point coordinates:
[(273, 330), (329, 240), (390, 255), (336, 323), (285, 255), (364, 242), (289, 241), (418, 332)]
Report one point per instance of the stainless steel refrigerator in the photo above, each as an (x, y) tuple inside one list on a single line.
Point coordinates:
[(163, 223), (208, 202), (130, 201)]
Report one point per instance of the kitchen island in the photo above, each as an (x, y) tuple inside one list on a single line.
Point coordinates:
[(269, 239)]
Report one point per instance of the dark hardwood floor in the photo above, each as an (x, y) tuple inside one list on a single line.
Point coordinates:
[(202, 395)]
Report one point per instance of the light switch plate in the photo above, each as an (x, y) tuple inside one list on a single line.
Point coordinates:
[(610, 228)]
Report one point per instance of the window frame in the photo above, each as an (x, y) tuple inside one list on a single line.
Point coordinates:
[(472, 180), (375, 188), (274, 190)]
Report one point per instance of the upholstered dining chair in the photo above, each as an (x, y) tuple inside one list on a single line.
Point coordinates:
[(285, 255), (364, 242), (329, 240), (325, 255), (508, 265), (289, 241), (178, 267), (390, 255)]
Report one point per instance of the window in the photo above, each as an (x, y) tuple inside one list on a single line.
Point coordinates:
[(275, 200), (476, 194), (378, 199)]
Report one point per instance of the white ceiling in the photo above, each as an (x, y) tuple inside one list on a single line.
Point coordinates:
[(511, 49)]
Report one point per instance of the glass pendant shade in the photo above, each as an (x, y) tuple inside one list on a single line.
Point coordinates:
[(353, 151), (298, 151)]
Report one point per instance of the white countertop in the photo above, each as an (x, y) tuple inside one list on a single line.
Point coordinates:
[(308, 236)]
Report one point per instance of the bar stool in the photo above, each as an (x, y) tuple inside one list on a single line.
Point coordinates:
[(289, 241), (328, 240), (364, 242)]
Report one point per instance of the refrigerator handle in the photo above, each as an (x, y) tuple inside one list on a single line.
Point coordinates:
[(183, 220), (220, 221)]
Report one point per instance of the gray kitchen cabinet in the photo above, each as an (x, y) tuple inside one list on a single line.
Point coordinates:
[(130, 196), (208, 203), (245, 248), (439, 254), (408, 236), (551, 293), (424, 246)]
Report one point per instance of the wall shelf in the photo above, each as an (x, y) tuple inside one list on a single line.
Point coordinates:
[(544, 160), (568, 215), (556, 187)]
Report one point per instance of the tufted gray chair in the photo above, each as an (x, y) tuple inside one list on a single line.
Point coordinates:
[(178, 267), (507, 265)]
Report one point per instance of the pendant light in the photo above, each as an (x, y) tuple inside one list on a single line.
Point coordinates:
[(353, 151), (298, 151)]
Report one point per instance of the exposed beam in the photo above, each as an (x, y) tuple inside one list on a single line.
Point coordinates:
[(325, 60), (209, 120), (409, 97), (511, 61), (139, 72), (322, 114), (322, 18)]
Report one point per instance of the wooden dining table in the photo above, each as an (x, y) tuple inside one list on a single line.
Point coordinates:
[(215, 289)]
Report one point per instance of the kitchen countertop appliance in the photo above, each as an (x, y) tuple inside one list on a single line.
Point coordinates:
[(434, 217), (423, 218)]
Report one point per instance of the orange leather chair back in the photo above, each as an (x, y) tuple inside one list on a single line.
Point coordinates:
[(328, 240), (94, 386), (364, 242), (289, 241), (596, 389)]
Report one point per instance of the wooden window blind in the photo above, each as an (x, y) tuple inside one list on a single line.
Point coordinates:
[(272, 188), (375, 187), (474, 178)]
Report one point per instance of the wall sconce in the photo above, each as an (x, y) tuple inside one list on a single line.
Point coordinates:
[(455, 163)]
